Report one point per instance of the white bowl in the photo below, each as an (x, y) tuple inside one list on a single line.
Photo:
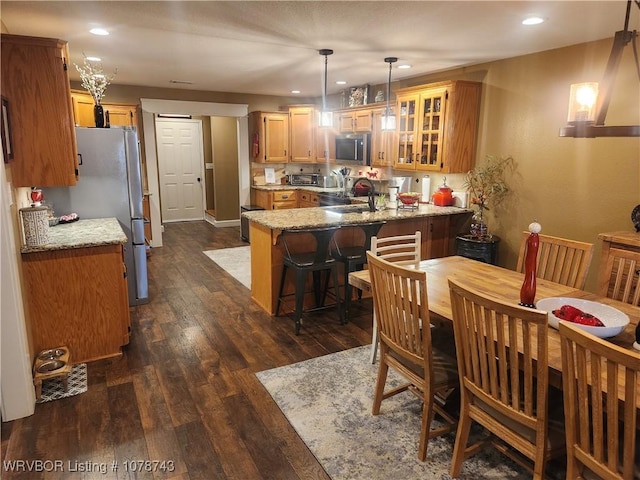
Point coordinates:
[(614, 320)]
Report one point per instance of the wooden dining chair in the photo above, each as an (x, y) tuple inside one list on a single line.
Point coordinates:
[(559, 260), (602, 434), (401, 250), (619, 276), (501, 389), (406, 345)]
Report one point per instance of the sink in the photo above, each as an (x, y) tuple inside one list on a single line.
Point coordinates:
[(348, 208)]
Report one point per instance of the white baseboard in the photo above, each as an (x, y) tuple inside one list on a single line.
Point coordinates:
[(221, 223)]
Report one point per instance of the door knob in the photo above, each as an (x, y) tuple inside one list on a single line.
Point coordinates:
[(198, 179)]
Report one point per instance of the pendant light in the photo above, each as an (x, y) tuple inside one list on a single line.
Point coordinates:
[(326, 116), (589, 102), (388, 119)]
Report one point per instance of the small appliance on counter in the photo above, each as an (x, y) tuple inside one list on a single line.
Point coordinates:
[(304, 179)]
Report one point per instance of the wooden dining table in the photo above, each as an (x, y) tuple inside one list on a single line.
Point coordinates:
[(505, 285)]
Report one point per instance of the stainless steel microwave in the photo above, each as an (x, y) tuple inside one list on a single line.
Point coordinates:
[(353, 147)]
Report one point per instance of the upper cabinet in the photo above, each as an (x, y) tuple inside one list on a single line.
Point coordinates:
[(354, 121), (35, 85), (382, 146), (269, 137), (119, 114), (436, 126), (301, 135)]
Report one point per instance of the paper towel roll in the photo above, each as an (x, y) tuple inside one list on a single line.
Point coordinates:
[(426, 188)]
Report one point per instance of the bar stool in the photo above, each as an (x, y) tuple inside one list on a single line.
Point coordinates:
[(314, 261), (354, 257)]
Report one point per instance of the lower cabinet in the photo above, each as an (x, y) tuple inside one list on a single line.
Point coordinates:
[(274, 200), (308, 199), (78, 298)]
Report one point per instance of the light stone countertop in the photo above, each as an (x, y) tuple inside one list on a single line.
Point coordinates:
[(318, 217), (92, 232), (310, 188)]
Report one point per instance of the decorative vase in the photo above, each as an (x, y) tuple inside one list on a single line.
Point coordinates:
[(479, 227), (98, 115)]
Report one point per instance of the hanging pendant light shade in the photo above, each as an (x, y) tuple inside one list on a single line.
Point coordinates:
[(388, 119), (326, 116)]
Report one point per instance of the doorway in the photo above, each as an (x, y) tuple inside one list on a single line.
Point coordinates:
[(180, 169)]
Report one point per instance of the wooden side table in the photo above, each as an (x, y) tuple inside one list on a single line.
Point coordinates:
[(483, 249)]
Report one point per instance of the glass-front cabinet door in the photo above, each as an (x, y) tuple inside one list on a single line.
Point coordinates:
[(431, 129), (407, 123)]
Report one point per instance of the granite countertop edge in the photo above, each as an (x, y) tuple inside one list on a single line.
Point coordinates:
[(319, 217), (92, 232)]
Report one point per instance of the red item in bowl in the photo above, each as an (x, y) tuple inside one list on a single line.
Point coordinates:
[(575, 315), (409, 198)]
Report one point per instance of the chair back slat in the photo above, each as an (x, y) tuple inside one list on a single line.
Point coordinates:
[(400, 249), (559, 260), (620, 277), (401, 304), (601, 430), (502, 354)]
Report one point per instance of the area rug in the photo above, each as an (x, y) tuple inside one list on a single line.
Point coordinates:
[(235, 261), (53, 388), (328, 402)]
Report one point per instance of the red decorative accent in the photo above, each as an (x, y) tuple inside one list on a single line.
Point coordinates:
[(528, 290)]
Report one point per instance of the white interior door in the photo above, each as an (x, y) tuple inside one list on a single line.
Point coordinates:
[(180, 168)]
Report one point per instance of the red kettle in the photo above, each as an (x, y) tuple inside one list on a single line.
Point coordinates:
[(444, 196)]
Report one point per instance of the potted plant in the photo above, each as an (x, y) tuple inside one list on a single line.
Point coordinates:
[(486, 184)]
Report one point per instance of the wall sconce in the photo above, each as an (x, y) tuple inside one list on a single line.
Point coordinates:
[(589, 102), (326, 116), (388, 119)]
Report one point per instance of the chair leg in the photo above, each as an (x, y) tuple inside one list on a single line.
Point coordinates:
[(374, 340), (462, 437), (301, 277), (317, 293), (336, 289), (427, 416), (347, 292), (284, 274), (383, 369)]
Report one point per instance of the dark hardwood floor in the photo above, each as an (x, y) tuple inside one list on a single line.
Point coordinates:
[(184, 389)]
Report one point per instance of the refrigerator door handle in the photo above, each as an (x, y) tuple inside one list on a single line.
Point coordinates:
[(137, 231), (140, 261)]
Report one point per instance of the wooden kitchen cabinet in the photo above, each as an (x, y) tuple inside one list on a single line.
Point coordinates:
[(325, 145), (307, 199), (269, 137), (274, 200), (35, 84), (437, 126), (78, 298), (301, 135), (119, 114), (354, 121), (382, 145), (284, 199)]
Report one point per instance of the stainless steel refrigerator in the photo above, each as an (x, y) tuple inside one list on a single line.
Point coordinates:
[(110, 185)]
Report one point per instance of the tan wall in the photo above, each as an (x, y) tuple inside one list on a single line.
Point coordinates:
[(225, 167), (575, 188)]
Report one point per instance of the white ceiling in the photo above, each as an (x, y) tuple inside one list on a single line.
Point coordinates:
[(271, 47)]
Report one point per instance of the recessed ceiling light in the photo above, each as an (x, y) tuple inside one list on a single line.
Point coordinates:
[(295, 91), (405, 65), (98, 31), (533, 20), (93, 59), (341, 82)]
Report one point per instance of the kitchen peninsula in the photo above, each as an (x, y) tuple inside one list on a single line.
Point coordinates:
[(439, 227), (77, 289)]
